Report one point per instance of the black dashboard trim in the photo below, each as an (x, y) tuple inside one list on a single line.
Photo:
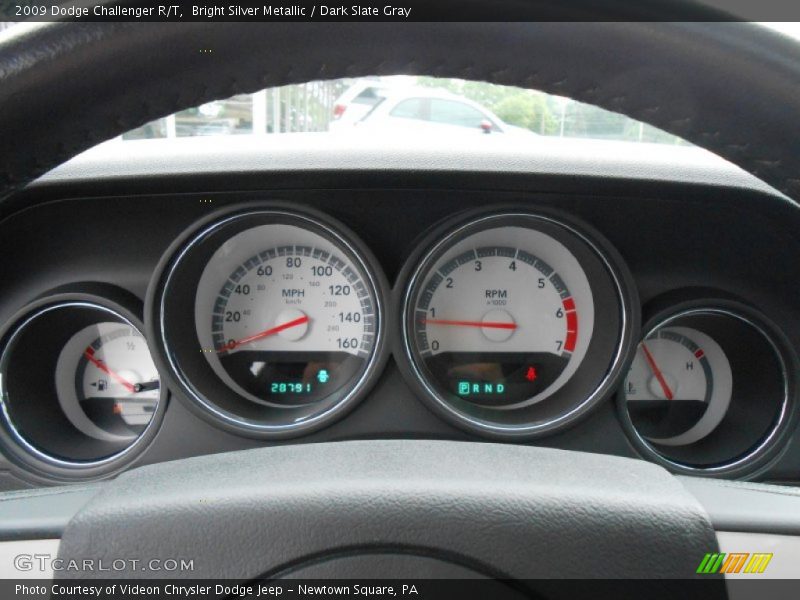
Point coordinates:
[(593, 199)]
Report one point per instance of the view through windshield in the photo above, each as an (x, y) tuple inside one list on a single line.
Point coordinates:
[(402, 106)]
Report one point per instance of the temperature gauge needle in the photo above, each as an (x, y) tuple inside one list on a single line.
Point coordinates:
[(266, 333), (657, 372), (486, 324), (89, 354)]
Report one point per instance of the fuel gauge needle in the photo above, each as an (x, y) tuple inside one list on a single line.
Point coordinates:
[(657, 372), (146, 386), (89, 354)]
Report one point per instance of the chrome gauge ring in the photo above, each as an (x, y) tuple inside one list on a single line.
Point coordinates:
[(515, 324), (81, 396), (270, 320), (709, 390)]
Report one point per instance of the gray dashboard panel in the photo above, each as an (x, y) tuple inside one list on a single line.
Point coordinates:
[(41, 513), (748, 507), (323, 152)]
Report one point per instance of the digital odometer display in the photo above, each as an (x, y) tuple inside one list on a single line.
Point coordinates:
[(284, 315)]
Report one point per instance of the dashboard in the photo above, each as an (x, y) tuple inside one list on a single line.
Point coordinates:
[(172, 315)]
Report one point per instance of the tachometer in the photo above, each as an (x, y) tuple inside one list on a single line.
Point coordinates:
[(499, 325), (514, 323), (286, 311)]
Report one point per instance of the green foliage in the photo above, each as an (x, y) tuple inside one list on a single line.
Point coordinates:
[(528, 110), (541, 112), (309, 107)]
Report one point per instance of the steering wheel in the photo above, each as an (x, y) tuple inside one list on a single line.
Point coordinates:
[(404, 507)]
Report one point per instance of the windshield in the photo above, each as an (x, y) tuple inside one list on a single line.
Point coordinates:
[(407, 107), (402, 106)]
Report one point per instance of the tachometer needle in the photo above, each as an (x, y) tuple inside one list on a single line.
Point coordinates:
[(487, 324), (89, 354), (657, 372), (266, 333)]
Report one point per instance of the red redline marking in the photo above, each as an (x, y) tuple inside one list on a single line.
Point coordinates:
[(572, 321), (699, 353), (89, 354), (569, 343), (572, 324), (266, 333), (657, 372), (487, 324)]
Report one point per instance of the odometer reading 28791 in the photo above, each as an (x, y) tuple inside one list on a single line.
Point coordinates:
[(287, 311), (499, 318), (291, 323)]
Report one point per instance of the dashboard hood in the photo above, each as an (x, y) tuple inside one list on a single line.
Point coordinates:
[(532, 155)]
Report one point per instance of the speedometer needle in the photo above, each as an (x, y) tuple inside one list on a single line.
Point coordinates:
[(266, 333), (487, 324), (657, 372), (89, 354)]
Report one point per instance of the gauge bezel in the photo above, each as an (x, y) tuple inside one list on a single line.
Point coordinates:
[(770, 446), (184, 260), (600, 374), (37, 464)]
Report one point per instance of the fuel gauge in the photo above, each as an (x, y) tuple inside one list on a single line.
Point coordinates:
[(80, 394), (107, 383)]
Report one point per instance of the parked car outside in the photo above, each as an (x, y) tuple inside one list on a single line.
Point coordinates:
[(417, 111), (356, 102)]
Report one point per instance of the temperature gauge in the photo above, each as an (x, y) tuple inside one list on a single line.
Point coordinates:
[(707, 390), (107, 383), (679, 386)]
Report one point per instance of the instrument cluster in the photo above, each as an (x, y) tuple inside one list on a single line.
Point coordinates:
[(274, 322)]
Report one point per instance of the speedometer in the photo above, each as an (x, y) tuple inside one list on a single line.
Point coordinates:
[(516, 323), (287, 320), (289, 324)]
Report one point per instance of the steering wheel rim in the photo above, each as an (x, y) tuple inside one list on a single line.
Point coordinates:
[(675, 76)]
